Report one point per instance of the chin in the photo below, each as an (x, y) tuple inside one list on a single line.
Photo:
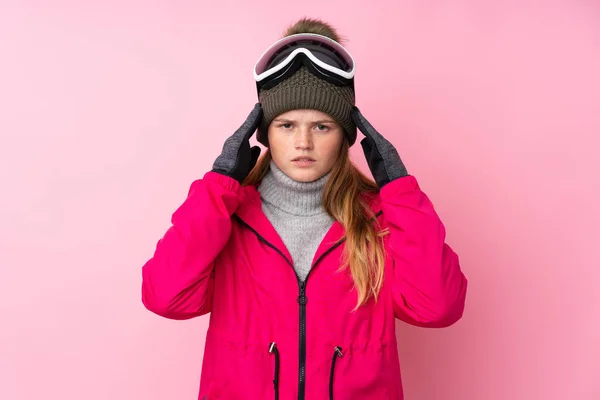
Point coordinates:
[(308, 176), (304, 179)]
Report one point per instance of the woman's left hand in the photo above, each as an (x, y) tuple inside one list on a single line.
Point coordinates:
[(383, 159)]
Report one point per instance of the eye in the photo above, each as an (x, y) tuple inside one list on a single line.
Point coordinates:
[(323, 128), (286, 125)]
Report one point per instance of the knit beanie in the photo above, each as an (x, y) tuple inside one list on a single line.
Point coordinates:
[(304, 90)]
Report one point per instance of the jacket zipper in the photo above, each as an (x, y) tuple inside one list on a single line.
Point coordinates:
[(302, 300)]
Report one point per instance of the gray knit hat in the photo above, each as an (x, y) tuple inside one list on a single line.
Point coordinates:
[(304, 90)]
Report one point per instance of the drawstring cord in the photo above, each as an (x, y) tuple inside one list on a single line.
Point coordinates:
[(273, 349), (337, 353)]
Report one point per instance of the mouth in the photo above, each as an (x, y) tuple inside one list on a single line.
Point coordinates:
[(303, 161)]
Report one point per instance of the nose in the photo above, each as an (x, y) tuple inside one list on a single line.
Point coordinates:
[(303, 139)]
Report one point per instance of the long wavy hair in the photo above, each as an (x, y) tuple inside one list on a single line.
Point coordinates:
[(345, 198)]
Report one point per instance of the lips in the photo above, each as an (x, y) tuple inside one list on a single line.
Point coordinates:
[(303, 162), (305, 159)]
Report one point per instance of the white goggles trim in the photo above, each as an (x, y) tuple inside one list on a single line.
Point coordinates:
[(277, 45)]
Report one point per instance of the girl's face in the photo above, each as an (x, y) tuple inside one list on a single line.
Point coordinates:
[(305, 144)]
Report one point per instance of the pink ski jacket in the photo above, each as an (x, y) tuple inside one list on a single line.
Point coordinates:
[(273, 337)]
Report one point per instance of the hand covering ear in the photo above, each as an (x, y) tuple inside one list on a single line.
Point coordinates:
[(237, 158), (383, 159)]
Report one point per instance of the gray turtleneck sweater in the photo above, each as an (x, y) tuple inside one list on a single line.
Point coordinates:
[(294, 208)]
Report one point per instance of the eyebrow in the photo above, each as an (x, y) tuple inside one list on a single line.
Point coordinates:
[(313, 122)]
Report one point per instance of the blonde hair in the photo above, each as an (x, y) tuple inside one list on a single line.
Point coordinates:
[(344, 200)]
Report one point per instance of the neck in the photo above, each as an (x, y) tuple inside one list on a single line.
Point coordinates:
[(291, 196)]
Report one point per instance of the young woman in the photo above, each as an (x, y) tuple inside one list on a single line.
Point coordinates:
[(302, 261)]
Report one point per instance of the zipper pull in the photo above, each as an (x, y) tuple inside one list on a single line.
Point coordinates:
[(338, 351), (302, 299)]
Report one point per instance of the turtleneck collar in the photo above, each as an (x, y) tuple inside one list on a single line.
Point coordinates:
[(293, 197)]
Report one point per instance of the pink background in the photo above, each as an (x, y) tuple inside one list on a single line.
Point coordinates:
[(108, 111)]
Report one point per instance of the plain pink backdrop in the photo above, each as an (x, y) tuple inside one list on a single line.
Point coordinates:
[(108, 111)]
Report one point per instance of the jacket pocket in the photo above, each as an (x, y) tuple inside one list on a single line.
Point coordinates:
[(238, 370), (364, 373), (337, 353)]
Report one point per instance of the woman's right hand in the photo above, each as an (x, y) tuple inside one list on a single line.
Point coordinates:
[(237, 158)]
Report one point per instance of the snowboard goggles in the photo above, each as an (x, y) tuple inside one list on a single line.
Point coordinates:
[(322, 56)]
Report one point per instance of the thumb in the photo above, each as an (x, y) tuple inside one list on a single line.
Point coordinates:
[(366, 146), (254, 154)]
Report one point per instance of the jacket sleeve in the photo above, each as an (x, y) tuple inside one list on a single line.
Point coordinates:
[(428, 287), (176, 281)]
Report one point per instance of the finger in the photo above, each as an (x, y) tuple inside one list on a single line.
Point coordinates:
[(375, 163), (244, 147), (363, 125), (247, 129)]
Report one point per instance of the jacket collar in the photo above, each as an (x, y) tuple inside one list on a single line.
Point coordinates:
[(251, 214)]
